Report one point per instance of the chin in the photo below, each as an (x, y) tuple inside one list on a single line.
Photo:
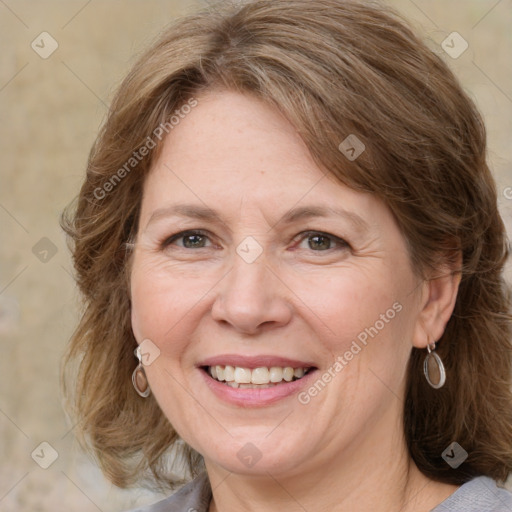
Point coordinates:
[(245, 457)]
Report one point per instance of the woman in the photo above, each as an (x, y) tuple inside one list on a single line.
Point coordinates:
[(289, 220)]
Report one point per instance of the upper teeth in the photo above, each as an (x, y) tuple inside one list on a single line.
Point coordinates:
[(261, 375)]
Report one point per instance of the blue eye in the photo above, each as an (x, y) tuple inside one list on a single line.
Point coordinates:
[(190, 240)]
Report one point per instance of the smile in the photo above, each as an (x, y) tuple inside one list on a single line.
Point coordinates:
[(256, 378)]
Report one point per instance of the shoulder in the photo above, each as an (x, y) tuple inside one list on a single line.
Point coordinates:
[(478, 495), (192, 497)]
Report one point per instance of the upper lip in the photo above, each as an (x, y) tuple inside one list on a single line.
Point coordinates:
[(252, 362)]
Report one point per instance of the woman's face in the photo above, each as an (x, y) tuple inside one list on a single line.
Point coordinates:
[(249, 257)]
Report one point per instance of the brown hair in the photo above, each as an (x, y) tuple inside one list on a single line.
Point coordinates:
[(333, 68)]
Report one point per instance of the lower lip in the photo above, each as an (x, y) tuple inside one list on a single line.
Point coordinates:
[(254, 397)]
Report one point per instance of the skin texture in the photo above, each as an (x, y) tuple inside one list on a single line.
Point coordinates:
[(344, 450)]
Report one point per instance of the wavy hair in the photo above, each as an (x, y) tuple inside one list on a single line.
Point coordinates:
[(332, 68)]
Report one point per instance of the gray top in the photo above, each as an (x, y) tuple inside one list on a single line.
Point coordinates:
[(478, 495)]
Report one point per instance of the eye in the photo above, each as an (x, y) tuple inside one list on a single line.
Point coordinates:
[(318, 241), (189, 240)]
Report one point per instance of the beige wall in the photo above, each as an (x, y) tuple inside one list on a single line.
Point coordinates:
[(50, 111)]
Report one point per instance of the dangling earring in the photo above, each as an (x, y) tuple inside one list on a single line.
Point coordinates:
[(139, 379), (433, 368)]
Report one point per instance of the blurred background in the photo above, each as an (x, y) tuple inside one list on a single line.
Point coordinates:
[(60, 63)]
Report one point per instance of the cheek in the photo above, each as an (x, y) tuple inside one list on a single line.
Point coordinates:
[(148, 307), (345, 302), (363, 322), (164, 303)]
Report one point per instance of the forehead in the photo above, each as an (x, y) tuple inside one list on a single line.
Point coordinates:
[(235, 149), (232, 133)]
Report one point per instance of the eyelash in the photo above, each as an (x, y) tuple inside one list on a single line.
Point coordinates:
[(182, 234), (342, 244)]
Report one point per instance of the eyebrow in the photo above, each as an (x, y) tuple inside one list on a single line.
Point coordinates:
[(309, 212), (185, 210), (205, 213)]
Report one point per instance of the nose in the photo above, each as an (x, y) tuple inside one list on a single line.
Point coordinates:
[(251, 298)]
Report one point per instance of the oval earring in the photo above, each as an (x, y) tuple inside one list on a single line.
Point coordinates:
[(433, 368), (139, 379)]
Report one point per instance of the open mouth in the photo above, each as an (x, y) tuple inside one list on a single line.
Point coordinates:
[(255, 378)]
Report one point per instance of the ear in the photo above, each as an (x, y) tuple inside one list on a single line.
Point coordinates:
[(437, 303)]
